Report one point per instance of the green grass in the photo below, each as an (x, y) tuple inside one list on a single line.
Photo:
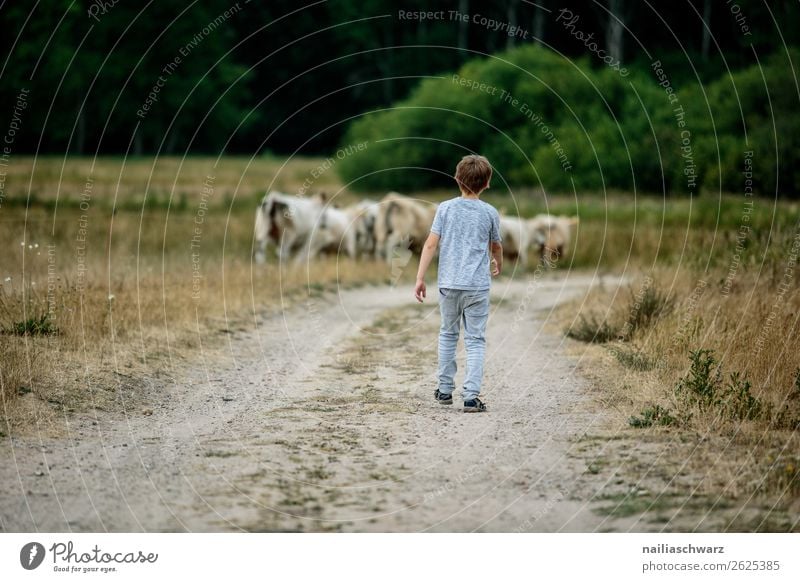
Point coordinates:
[(40, 325), (639, 502), (652, 415)]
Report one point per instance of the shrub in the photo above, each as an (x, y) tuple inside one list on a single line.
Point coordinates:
[(700, 385), (651, 415), (703, 386), (573, 124), (738, 402), (590, 329)]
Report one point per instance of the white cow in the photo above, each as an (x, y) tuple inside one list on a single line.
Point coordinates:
[(363, 215), (350, 230), (335, 232)]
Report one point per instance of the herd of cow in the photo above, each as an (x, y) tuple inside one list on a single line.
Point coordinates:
[(303, 228)]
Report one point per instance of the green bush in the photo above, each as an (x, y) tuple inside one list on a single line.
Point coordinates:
[(703, 386), (700, 385), (613, 132), (739, 403)]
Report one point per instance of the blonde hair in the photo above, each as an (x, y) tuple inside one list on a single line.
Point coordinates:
[(473, 173)]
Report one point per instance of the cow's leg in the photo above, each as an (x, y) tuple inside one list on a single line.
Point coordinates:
[(260, 254), (310, 250), (523, 258), (350, 244), (388, 248), (380, 240), (285, 249), (261, 232), (377, 248), (392, 242)]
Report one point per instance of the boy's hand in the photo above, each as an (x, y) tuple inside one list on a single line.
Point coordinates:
[(419, 290), (495, 268)]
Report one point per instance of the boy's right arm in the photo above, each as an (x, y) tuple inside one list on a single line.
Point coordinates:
[(428, 250), (495, 246), (497, 258)]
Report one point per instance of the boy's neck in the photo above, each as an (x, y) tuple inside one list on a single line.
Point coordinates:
[(470, 195)]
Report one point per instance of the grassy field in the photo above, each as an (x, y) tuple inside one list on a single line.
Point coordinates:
[(120, 267), (117, 268), (700, 354)]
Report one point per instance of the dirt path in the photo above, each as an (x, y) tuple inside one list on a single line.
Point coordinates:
[(323, 419)]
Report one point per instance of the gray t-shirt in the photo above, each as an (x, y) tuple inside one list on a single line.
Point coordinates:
[(465, 227)]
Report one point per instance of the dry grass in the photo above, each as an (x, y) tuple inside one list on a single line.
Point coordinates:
[(741, 438), (123, 293), (137, 315)]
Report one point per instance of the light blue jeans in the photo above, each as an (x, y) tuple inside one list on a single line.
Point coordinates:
[(471, 308)]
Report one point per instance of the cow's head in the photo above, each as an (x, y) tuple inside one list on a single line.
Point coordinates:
[(321, 197)]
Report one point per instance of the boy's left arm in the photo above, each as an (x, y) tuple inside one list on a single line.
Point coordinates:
[(428, 250)]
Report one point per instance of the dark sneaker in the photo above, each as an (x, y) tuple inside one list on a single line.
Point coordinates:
[(443, 398), (474, 405)]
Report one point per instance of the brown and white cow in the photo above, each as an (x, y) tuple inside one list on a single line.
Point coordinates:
[(302, 228), (288, 222)]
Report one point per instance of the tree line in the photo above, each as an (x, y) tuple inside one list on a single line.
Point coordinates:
[(114, 77)]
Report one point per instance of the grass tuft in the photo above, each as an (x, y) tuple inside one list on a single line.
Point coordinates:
[(632, 358), (646, 309), (652, 415), (590, 329), (41, 325)]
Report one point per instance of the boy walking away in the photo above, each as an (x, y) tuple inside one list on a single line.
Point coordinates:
[(469, 231)]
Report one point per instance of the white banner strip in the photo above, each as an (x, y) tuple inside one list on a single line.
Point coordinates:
[(371, 557)]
